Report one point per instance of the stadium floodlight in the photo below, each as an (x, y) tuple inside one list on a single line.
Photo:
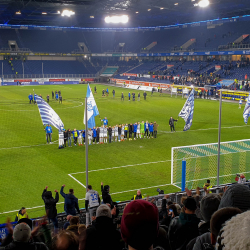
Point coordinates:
[(203, 3), (44, 13), (67, 13), (18, 12), (116, 19)]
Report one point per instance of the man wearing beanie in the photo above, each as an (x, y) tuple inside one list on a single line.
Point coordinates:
[(237, 195), (103, 234), (140, 225), (21, 237), (185, 227), (105, 194)]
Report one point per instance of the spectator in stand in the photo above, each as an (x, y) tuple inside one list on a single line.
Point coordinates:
[(21, 214), (138, 195), (240, 178), (92, 202), (73, 225), (50, 206), (140, 225), (22, 239), (218, 219), (185, 227), (66, 240), (70, 202), (103, 234), (105, 194), (66, 224)]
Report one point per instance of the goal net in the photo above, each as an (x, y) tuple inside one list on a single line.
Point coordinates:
[(201, 163)]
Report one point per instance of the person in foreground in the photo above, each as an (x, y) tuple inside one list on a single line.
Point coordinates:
[(140, 225)]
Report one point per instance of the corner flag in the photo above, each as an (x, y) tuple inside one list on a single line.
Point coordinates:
[(246, 112), (91, 108), (187, 111), (48, 115)]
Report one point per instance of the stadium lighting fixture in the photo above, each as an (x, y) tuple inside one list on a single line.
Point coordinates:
[(92, 17), (116, 19), (137, 12), (44, 13), (203, 3), (58, 12), (18, 12), (149, 9), (161, 8), (67, 13), (176, 4)]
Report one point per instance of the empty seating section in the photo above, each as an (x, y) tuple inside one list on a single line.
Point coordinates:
[(109, 71), (62, 41), (49, 67)]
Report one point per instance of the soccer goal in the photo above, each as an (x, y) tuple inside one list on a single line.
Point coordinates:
[(201, 163)]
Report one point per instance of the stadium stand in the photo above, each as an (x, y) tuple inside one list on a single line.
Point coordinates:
[(198, 213)]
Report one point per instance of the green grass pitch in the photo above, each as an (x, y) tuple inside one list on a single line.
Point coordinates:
[(28, 164)]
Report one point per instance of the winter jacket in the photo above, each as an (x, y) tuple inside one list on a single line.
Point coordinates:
[(182, 229), (70, 203), (151, 127), (135, 128), (94, 132), (105, 195), (202, 242), (50, 203), (103, 235)]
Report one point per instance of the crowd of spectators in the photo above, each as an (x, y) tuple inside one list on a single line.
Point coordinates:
[(209, 221)]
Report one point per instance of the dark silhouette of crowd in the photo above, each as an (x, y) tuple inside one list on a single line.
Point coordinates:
[(201, 220)]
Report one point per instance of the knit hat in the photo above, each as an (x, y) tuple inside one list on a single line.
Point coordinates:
[(190, 203), (209, 205), (235, 233), (103, 210), (22, 233), (140, 224), (237, 195)]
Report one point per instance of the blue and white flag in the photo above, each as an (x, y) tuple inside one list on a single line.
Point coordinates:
[(91, 108), (48, 115), (246, 112), (188, 111)]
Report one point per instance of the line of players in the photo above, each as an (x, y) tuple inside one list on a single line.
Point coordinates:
[(121, 132)]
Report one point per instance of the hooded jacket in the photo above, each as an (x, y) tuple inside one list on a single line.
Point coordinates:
[(50, 203), (105, 195), (70, 203), (182, 229)]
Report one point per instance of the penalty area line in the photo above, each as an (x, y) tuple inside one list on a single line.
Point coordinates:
[(76, 180)]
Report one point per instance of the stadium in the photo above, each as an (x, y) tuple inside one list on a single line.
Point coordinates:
[(139, 108)]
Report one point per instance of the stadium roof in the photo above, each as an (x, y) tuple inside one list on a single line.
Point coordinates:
[(91, 13)]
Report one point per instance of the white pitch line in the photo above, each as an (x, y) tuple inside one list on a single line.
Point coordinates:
[(76, 180), (30, 208), (29, 146), (103, 169), (201, 129)]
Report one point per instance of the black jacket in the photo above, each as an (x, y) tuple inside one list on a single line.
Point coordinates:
[(103, 235), (50, 203), (106, 196), (171, 121), (70, 203), (25, 246), (182, 229)]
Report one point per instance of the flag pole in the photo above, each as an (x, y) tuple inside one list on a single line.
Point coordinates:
[(86, 143), (219, 138)]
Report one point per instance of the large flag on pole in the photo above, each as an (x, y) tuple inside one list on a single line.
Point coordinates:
[(91, 108), (187, 111), (246, 112), (48, 115)]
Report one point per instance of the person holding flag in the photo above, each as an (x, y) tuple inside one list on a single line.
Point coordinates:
[(30, 98), (171, 123), (92, 109), (49, 117), (187, 111), (48, 130)]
